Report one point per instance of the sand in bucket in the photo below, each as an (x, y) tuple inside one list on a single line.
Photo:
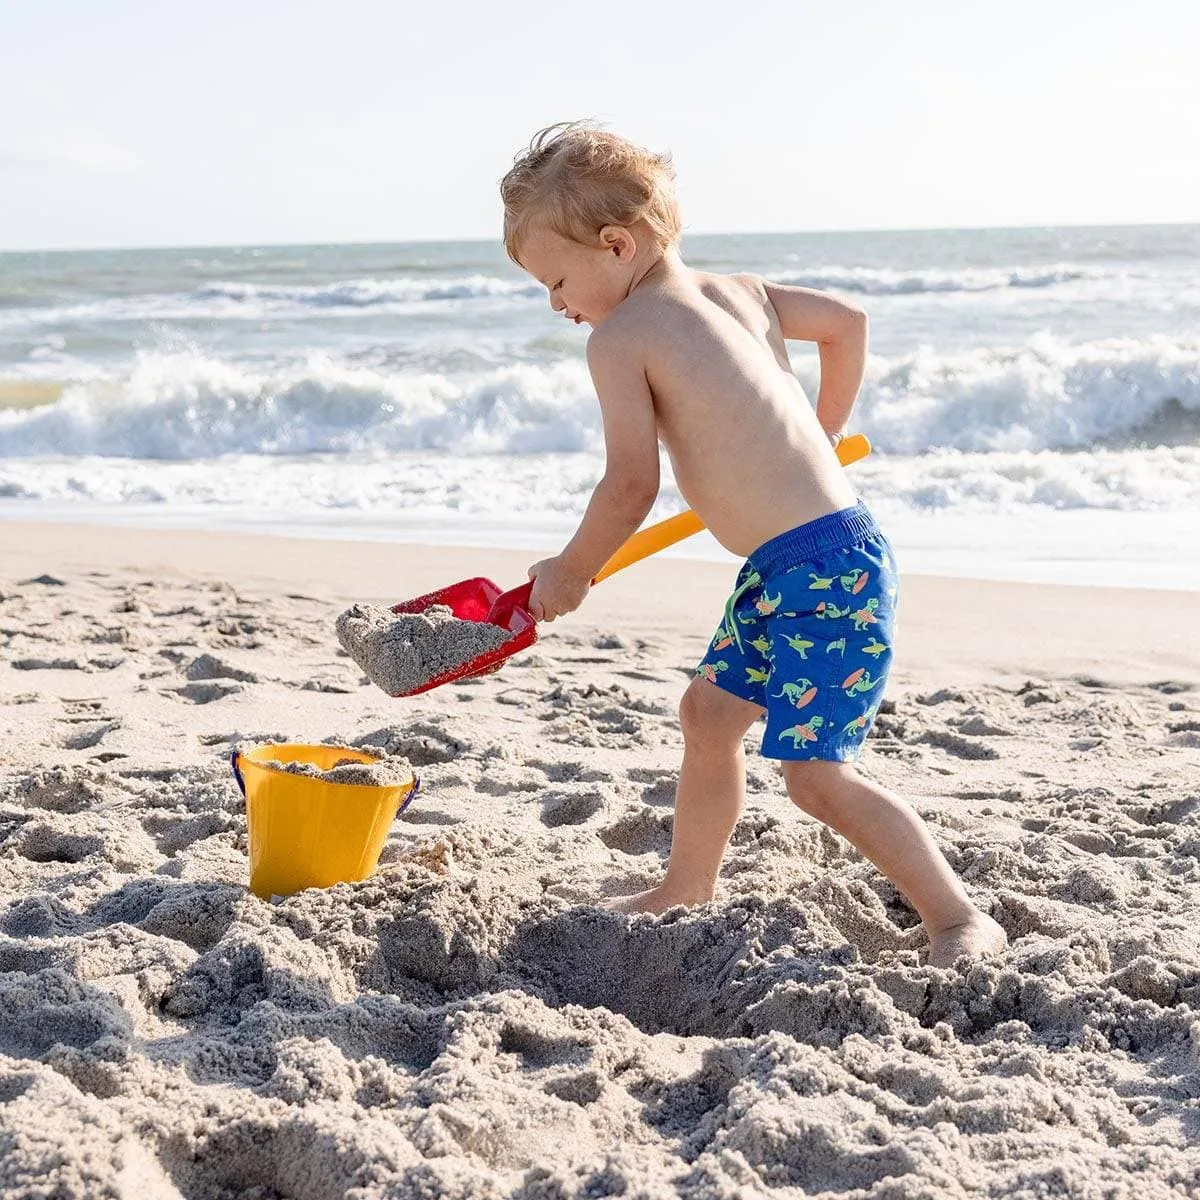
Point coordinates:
[(317, 814)]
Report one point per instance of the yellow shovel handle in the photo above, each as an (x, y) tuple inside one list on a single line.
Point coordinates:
[(674, 529)]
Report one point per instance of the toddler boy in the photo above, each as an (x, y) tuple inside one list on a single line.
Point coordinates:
[(697, 361)]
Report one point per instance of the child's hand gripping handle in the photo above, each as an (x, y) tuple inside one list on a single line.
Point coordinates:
[(658, 537)]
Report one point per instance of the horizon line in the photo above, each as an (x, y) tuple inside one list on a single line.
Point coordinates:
[(498, 242)]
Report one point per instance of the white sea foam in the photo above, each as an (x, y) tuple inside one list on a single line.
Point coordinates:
[(358, 293), (890, 281), (242, 300), (954, 527), (234, 301), (1163, 479), (1045, 394), (188, 405)]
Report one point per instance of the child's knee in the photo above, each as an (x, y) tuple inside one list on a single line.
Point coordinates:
[(709, 716), (817, 787)]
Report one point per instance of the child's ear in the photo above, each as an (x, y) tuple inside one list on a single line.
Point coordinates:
[(619, 241)]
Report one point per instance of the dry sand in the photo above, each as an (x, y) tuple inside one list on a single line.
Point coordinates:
[(466, 1023)]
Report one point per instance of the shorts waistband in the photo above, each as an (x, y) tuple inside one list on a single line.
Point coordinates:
[(834, 531)]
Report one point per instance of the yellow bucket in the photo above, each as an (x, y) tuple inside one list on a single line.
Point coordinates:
[(305, 832)]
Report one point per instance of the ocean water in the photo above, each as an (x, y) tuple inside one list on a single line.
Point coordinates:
[(1033, 395)]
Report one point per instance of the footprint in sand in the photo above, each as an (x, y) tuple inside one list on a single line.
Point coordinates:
[(1173, 687), (566, 771), (977, 726), (207, 691), (942, 696), (646, 676), (47, 664), (209, 666), (569, 808), (960, 747), (335, 686), (1185, 733), (237, 735), (88, 736), (660, 785), (41, 843), (641, 831), (63, 789)]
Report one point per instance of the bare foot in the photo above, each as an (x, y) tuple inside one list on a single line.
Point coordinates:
[(656, 900), (977, 937)]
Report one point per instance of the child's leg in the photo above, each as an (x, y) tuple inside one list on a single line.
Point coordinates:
[(888, 832), (708, 797)]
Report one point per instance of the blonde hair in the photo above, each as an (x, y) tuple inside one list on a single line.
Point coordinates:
[(576, 178)]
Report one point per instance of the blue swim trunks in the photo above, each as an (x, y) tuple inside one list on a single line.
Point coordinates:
[(807, 635)]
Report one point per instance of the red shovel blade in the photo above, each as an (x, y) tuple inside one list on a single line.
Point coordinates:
[(478, 599)]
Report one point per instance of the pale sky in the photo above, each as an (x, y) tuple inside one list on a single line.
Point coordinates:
[(159, 123)]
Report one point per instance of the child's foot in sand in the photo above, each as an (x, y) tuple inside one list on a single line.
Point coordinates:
[(656, 900), (978, 937)]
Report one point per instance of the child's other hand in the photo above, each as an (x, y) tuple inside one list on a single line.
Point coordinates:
[(557, 589)]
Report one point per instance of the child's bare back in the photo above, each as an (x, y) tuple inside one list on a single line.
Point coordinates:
[(747, 450)]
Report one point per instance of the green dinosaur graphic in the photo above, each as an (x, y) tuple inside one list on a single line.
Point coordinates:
[(859, 681), (800, 644), (800, 694), (861, 722), (854, 581), (827, 612), (766, 605), (803, 733), (866, 615)]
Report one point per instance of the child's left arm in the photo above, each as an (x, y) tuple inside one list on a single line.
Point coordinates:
[(624, 495), (841, 331)]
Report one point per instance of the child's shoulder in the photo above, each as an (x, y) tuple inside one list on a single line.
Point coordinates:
[(740, 284), (693, 291), (674, 313), (743, 296)]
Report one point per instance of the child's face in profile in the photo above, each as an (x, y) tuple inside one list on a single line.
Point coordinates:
[(585, 283)]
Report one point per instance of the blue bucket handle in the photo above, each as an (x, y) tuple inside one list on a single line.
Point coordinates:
[(416, 787), (237, 772)]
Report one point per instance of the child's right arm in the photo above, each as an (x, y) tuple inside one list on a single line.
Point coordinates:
[(840, 330)]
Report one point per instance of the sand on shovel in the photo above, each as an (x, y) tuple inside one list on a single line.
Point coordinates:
[(403, 651)]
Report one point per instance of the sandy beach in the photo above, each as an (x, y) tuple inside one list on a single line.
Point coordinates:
[(467, 1022)]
